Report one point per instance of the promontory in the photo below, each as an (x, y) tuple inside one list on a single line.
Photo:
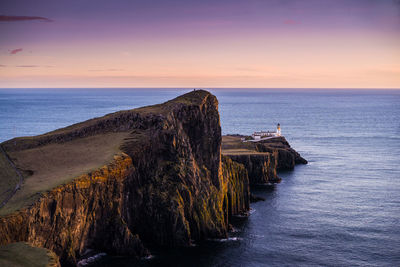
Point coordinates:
[(157, 176)]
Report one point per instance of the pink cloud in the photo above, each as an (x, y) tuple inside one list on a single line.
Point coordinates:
[(291, 22), (15, 51)]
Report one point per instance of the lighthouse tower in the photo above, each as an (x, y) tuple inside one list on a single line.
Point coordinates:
[(278, 130)]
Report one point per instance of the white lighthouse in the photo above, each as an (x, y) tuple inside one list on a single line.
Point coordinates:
[(278, 130), (262, 135)]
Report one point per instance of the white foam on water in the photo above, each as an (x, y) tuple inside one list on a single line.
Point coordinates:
[(90, 260), (229, 239)]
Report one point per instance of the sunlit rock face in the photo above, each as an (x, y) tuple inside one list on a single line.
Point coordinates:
[(262, 168)]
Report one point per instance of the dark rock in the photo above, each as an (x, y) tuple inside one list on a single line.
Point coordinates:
[(254, 198)]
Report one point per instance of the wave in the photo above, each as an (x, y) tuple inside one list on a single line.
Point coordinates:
[(229, 239), (90, 260)]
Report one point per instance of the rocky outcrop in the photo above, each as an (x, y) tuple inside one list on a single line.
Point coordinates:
[(262, 159), (287, 157), (167, 187)]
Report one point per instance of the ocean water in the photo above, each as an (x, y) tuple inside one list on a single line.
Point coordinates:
[(342, 209)]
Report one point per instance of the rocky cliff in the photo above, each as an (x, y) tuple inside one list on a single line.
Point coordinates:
[(166, 186)]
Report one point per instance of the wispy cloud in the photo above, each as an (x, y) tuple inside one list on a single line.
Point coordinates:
[(4, 18), (27, 66), (15, 51), (34, 66), (2, 66)]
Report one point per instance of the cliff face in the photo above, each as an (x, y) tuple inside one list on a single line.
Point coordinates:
[(237, 199), (176, 192), (262, 168), (167, 186)]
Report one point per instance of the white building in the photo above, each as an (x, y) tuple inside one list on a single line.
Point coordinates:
[(264, 134)]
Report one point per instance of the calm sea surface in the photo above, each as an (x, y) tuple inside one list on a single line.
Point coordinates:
[(342, 209)]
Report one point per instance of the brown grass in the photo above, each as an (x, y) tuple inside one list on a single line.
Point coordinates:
[(8, 178), (22, 254), (233, 145), (56, 164), (241, 152)]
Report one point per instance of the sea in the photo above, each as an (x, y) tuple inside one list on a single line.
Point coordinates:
[(342, 209)]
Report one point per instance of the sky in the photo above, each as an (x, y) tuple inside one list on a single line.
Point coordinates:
[(208, 43)]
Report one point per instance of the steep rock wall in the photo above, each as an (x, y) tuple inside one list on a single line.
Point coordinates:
[(237, 198), (261, 168)]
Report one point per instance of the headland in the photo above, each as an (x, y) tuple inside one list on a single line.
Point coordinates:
[(157, 176)]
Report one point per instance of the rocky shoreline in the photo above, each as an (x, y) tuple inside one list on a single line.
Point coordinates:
[(172, 182)]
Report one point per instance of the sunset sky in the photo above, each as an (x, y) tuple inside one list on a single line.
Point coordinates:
[(163, 43)]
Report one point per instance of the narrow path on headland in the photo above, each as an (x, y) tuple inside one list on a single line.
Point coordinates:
[(18, 186)]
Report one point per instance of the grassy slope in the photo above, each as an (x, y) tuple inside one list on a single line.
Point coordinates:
[(232, 145), (8, 178), (22, 254), (55, 164)]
